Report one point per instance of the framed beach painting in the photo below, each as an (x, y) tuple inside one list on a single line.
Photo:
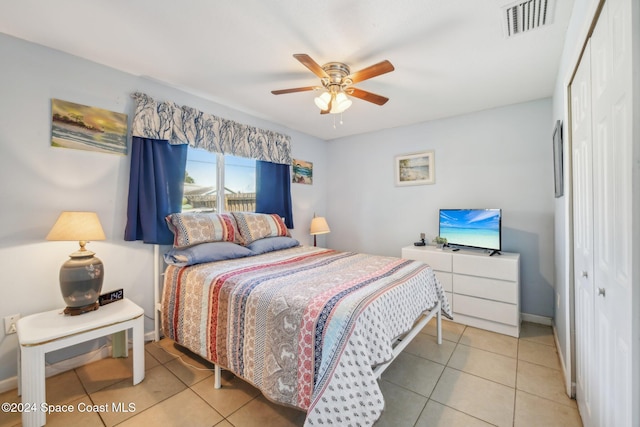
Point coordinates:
[(416, 168), (302, 172), (87, 128)]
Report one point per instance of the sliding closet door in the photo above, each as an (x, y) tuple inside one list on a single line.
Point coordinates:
[(611, 97), (601, 102), (582, 149)]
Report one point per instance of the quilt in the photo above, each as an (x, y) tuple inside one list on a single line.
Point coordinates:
[(304, 325)]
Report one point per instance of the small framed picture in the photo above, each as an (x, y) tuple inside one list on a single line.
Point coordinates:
[(416, 168), (558, 172), (302, 172)]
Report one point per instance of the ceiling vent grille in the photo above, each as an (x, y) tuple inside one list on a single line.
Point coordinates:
[(525, 16)]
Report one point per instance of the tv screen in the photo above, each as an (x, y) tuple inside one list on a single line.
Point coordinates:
[(476, 228)]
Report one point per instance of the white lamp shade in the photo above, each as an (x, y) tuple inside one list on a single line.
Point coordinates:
[(77, 226), (341, 103), (319, 226), (322, 101)]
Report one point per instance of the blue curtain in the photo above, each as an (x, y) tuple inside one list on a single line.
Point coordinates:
[(155, 189), (273, 190)]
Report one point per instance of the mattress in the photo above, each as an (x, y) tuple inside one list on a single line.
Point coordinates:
[(304, 325)]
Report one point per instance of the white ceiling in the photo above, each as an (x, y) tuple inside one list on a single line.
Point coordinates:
[(450, 56)]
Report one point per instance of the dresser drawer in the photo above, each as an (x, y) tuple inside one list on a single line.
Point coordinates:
[(485, 309), (482, 287), (437, 259), (502, 267)]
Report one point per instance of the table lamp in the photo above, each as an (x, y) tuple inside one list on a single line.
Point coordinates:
[(82, 274), (318, 226)]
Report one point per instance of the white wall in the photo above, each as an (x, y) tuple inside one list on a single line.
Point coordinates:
[(499, 158), (39, 181)]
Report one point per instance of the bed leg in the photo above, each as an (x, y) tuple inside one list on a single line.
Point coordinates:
[(439, 322), (216, 379)]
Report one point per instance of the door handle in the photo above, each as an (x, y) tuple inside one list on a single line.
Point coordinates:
[(601, 291)]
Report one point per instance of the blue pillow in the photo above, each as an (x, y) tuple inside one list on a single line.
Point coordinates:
[(205, 252), (269, 244)]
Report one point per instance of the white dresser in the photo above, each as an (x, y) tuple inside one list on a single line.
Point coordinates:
[(483, 290)]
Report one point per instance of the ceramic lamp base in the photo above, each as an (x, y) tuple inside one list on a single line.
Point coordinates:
[(81, 279), (74, 311)]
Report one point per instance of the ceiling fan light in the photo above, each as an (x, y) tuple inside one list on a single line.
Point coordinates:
[(341, 103), (322, 101)]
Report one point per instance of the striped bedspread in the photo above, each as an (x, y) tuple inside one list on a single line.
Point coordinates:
[(305, 325)]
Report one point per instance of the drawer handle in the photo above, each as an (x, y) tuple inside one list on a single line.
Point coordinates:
[(585, 274), (601, 291)]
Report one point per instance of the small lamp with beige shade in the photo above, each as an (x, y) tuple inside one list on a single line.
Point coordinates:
[(318, 226), (82, 274)]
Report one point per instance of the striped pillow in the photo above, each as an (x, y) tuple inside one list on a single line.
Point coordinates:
[(193, 228), (255, 226)]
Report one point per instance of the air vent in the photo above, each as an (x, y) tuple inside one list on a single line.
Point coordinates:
[(525, 16)]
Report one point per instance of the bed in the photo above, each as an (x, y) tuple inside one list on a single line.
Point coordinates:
[(310, 327)]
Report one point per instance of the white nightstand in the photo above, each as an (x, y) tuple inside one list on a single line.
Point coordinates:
[(41, 333)]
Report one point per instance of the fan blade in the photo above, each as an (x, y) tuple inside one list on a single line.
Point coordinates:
[(367, 96), (311, 64), (372, 71), (295, 89)]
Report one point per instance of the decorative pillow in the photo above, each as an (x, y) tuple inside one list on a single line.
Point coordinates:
[(255, 226), (270, 244), (193, 228), (205, 252)]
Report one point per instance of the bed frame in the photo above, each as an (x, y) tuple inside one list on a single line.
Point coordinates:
[(398, 345)]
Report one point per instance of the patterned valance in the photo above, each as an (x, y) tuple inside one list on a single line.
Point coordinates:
[(186, 125)]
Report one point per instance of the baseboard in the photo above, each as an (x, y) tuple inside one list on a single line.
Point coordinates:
[(63, 366), (69, 364), (569, 387), (534, 318), (8, 384)]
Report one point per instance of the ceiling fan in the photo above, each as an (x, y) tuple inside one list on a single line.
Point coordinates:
[(337, 82)]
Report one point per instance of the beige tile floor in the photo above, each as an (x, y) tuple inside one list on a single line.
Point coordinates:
[(475, 378)]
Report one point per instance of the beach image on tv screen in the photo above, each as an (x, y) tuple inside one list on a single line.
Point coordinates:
[(478, 228)]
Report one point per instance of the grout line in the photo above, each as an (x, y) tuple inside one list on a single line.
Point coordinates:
[(557, 402), (88, 395), (462, 412)]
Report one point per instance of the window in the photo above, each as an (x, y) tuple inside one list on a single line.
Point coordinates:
[(213, 180)]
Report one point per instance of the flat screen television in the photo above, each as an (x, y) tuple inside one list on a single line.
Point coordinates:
[(474, 228)]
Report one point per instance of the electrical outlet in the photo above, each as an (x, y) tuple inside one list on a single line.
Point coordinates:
[(10, 324)]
